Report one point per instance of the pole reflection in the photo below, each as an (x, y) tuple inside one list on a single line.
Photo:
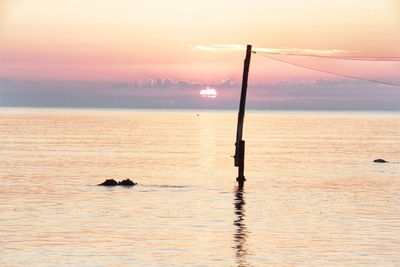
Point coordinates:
[(240, 235)]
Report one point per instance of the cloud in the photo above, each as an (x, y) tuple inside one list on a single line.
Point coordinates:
[(169, 93), (227, 84), (157, 93), (325, 95), (168, 83), (284, 50), (220, 47), (300, 51)]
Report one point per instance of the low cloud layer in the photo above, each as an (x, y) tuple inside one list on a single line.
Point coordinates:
[(167, 93), (283, 50)]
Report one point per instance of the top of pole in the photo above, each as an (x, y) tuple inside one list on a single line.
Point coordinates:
[(244, 80), (243, 92)]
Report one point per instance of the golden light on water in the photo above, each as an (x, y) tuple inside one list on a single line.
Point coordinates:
[(208, 93), (324, 193)]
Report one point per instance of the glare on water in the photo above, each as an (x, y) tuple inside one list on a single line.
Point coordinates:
[(313, 197)]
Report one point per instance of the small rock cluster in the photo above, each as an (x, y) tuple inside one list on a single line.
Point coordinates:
[(112, 182)]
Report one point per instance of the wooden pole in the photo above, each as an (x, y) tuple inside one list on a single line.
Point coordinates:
[(240, 144)]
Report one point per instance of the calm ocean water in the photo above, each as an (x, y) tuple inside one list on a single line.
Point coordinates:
[(313, 197)]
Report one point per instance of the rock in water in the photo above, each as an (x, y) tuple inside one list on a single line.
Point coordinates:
[(380, 161), (127, 182), (109, 182)]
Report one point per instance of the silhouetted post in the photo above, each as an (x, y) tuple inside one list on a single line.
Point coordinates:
[(240, 144)]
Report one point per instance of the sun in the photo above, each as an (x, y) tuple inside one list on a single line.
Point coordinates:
[(208, 92)]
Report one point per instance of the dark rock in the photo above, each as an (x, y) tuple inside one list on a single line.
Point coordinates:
[(127, 182), (109, 182), (380, 161)]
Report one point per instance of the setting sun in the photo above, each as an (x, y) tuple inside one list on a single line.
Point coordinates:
[(208, 92)]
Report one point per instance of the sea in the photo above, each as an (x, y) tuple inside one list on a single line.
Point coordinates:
[(313, 195)]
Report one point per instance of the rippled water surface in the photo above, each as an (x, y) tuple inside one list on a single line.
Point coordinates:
[(313, 197)]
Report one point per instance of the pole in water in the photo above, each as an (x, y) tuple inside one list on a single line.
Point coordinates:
[(240, 143)]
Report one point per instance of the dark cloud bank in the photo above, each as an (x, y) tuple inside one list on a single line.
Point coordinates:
[(166, 93)]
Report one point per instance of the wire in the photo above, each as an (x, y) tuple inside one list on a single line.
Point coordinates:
[(329, 72), (334, 57)]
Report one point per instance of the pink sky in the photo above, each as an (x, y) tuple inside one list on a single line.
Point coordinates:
[(121, 40), (198, 42)]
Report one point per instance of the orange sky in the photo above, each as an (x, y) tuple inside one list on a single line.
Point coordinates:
[(141, 39)]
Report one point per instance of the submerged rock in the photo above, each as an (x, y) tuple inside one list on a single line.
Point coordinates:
[(127, 182), (380, 161), (112, 182), (109, 182)]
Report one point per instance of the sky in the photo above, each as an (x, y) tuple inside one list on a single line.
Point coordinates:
[(161, 54)]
